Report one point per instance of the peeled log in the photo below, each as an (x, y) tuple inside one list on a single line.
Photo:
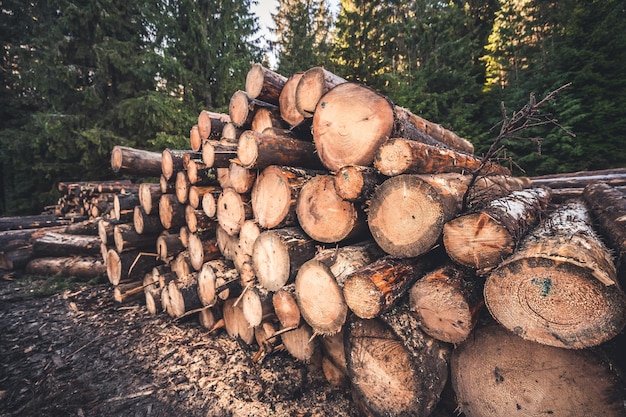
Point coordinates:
[(447, 303), (398, 156), (76, 266), (325, 216), (264, 84), (559, 288), (135, 161), (350, 123), (275, 193), (496, 373), (278, 253), (483, 239), (374, 288), (395, 369), (258, 150), (315, 82), (319, 283), (608, 205)]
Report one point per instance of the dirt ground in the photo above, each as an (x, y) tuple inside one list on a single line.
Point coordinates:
[(77, 352)]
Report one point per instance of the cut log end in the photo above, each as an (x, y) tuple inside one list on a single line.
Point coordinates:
[(364, 296)]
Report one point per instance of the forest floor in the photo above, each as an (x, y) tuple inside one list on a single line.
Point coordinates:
[(76, 352)]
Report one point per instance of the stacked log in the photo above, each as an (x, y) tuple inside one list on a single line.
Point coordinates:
[(369, 248)]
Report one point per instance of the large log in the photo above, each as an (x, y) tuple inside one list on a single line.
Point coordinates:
[(198, 222), (74, 266), (168, 245), (267, 120), (287, 100), (257, 150), (32, 222), (559, 288), (608, 205), (242, 108), (16, 256), (197, 193), (496, 373), (235, 323), (484, 238), (264, 84), (127, 239), (395, 369), (275, 193), (278, 253), (319, 283), (183, 294), (9, 237), (135, 161), (398, 156), (314, 83), (210, 126), (124, 205), (325, 216), (447, 303), (172, 161), (63, 244), (286, 307), (374, 288)]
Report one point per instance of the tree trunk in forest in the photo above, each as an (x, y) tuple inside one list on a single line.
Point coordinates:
[(135, 161), (483, 239), (233, 209), (256, 150), (496, 373), (264, 84), (395, 369), (63, 244), (242, 108), (73, 266), (171, 212), (275, 193), (325, 216), (319, 283), (219, 154), (287, 100), (559, 288), (397, 156), (447, 303), (183, 293), (278, 253), (608, 205), (210, 126), (374, 288), (315, 82), (357, 183)]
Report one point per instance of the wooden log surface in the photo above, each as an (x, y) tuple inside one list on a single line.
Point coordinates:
[(219, 154), (264, 84), (210, 127), (257, 150), (357, 183), (314, 83), (133, 161), (560, 287), (233, 209), (287, 100), (75, 266), (242, 108)]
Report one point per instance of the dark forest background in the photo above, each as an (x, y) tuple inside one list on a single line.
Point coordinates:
[(81, 76)]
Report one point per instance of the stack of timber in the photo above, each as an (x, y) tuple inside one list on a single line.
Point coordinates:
[(319, 218)]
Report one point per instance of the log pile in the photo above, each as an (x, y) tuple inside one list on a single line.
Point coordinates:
[(320, 218)]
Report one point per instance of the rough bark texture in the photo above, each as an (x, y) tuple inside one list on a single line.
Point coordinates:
[(257, 150), (183, 294), (128, 266), (72, 266), (495, 374), (135, 161), (201, 249), (560, 287), (63, 244), (264, 84), (483, 239)]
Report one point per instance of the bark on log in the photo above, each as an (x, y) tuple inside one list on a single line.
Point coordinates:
[(181, 264), (209, 202), (183, 293), (219, 154), (212, 272), (398, 156), (235, 323), (278, 253), (319, 284), (167, 185), (438, 132), (580, 179), (106, 227), (275, 193), (357, 183), (325, 216), (86, 227), (241, 179), (128, 266), (198, 222), (62, 244), (559, 288), (148, 224), (256, 150), (168, 245), (8, 237), (315, 82), (74, 266), (267, 119), (256, 304), (149, 195), (199, 174), (483, 239), (197, 193), (172, 161), (135, 161), (286, 307), (287, 100), (608, 205), (127, 239), (152, 293), (495, 373), (232, 210), (242, 108), (210, 126), (395, 369), (124, 205), (374, 288), (264, 84), (202, 249), (171, 212), (35, 221), (447, 303)]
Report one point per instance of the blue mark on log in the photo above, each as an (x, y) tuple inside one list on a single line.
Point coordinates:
[(544, 283)]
